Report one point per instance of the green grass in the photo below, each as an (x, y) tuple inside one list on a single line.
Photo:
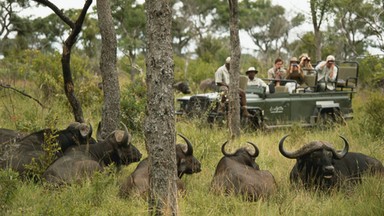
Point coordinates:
[(99, 196)]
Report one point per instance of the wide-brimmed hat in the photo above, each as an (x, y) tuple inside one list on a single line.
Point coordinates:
[(251, 69), (305, 56), (330, 58), (294, 59)]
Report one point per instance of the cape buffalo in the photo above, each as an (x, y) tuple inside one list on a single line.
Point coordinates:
[(319, 165), (183, 87), (239, 174), (79, 162), (138, 182), (9, 136), (208, 85), (24, 151)]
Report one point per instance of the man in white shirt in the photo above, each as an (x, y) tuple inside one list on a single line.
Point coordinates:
[(222, 75), (222, 80), (327, 73), (253, 80)]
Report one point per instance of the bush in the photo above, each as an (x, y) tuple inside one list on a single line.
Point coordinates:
[(371, 115), (132, 105), (9, 181)]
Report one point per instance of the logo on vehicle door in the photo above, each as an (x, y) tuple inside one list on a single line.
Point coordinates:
[(276, 109)]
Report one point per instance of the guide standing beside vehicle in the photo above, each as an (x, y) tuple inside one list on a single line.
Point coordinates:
[(222, 80)]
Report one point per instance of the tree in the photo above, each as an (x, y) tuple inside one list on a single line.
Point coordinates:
[(66, 55), (159, 126), (234, 71), (318, 12), (111, 107), (129, 17)]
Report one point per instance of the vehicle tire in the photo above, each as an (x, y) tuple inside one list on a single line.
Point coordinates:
[(330, 117)]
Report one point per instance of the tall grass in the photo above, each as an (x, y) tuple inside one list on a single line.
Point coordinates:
[(99, 196)]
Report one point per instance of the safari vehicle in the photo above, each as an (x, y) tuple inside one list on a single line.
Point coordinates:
[(306, 106)]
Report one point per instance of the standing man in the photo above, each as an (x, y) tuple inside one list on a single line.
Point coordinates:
[(222, 80), (326, 73)]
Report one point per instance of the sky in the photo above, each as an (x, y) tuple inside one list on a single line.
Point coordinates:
[(246, 43)]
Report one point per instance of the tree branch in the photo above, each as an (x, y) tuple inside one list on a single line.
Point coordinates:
[(20, 92)]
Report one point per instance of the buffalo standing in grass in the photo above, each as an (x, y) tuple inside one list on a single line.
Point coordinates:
[(79, 162), (138, 182), (31, 147), (319, 165), (239, 174)]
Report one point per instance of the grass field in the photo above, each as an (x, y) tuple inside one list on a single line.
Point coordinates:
[(99, 196)]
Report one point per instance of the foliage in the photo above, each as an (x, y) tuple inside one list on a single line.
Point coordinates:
[(371, 72), (9, 181), (133, 103), (50, 148), (372, 118)]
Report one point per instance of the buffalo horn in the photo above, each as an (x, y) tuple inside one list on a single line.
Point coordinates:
[(256, 150), (189, 145), (283, 152), (126, 139), (340, 155), (223, 150)]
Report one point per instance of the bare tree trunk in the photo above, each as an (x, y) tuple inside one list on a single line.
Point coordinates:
[(318, 11), (111, 107), (234, 71), (66, 55), (159, 124)]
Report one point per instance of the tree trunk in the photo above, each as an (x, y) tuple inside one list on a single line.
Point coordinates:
[(66, 55), (111, 107), (159, 126), (234, 71)]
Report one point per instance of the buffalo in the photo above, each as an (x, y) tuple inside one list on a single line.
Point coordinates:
[(183, 87), (239, 174), (9, 136), (320, 165), (79, 162), (31, 147), (208, 85), (138, 182)]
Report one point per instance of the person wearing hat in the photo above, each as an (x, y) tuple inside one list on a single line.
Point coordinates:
[(253, 80), (294, 73), (222, 80), (305, 64), (326, 74), (222, 75)]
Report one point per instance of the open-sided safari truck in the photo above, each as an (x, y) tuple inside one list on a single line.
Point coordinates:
[(306, 106)]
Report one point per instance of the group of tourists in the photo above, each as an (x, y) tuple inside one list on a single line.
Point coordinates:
[(291, 78)]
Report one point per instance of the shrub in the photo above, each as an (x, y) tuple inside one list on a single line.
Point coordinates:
[(133, 102), (372, 118)]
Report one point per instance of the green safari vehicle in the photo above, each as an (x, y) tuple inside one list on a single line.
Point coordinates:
[(306, 106)]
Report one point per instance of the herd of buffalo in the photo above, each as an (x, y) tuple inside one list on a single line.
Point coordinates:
[(78, 156)]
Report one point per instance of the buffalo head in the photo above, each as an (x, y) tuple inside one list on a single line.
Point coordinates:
[(315, 162), (183, 87), (186, 162), (123, 150), (243, 156)]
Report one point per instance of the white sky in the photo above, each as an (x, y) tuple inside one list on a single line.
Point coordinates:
[(245, 41)]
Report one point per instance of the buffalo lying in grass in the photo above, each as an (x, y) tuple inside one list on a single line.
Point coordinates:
[(138, 182), (239, 174), (79, 162), (320, 165)]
